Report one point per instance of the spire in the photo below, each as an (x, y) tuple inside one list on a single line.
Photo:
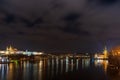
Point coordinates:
[(105, 48), (10, 48), (105, 52)]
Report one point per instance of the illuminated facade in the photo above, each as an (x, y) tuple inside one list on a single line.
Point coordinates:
[(114, 56), (11, 50), (115, 51), (103, 55)]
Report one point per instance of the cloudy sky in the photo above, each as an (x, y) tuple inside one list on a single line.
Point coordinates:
[(60, 25)]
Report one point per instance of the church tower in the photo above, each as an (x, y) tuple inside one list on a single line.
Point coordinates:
[(10, 48), (105, 52)]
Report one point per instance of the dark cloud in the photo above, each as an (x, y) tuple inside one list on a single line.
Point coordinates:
[(104, 2), (72, 17), (31, 24), (76, 30), (59, 24), (9, 19), (71, 29), (56, 4), (73, 24), (108, 2), (20, 33)]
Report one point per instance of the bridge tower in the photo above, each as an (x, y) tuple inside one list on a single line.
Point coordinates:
[(105, 52)]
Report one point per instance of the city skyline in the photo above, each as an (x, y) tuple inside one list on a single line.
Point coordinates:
[(12, 49), (59, 40)]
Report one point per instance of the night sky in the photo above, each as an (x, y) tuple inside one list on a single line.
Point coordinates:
[(60, 25)]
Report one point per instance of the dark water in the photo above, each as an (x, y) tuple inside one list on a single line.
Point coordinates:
[(59, 69)]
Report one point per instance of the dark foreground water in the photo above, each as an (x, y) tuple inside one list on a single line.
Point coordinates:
[(84, 69)]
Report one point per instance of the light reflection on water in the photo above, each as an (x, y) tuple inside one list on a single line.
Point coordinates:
[(85, 63), (103, 63), (56, 69)]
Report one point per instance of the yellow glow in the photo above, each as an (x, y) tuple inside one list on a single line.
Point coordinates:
[(2, 51), (11, 50), (104, 63), (6, 52), (10, 66), (102, 56), (37, 53), (40, 53)]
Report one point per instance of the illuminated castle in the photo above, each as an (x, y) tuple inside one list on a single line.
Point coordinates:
[(10, 50), (104, 55)]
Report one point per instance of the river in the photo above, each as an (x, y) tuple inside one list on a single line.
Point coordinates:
[(59, 69)]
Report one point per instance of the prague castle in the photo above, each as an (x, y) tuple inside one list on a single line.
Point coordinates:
[(10, 50)]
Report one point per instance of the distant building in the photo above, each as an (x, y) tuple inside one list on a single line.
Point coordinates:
[(114, 56), (10, 50), (103, 55)]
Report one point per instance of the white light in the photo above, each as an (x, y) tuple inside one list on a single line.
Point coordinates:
[(37, 53), (3, 60), (40, 52), (2, 51)]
